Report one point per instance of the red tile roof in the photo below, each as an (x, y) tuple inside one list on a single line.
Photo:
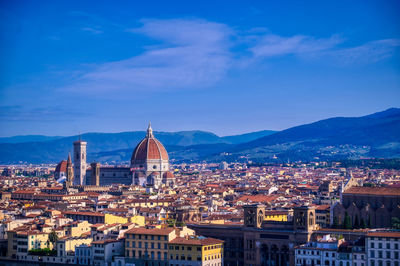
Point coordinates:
[(196, 241), (145, 231), (386, 191), (384, 234)]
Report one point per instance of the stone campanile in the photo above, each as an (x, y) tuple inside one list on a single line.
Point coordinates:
[(80, 162)]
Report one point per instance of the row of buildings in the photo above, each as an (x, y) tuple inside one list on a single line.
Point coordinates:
[(230, 214)]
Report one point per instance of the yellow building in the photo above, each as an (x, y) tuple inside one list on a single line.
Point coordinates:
[(142, 244), (97, 217), (20, 242), (279, 216), (114, 219), (137, 219), (76, 229), (196, 250)]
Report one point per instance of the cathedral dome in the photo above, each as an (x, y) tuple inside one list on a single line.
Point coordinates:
[(168, 175), (61, 167), (149, 149)]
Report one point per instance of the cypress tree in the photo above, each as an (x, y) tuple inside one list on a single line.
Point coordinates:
[(356, 223), (363, 224), (335, 222), (347, 221)]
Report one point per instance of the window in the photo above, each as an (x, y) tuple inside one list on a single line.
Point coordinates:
[(372, 245)]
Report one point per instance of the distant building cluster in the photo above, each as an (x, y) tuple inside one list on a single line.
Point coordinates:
[(153, 212), (149, 167)]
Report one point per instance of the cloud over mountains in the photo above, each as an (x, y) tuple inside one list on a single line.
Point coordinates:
[(196, 53)]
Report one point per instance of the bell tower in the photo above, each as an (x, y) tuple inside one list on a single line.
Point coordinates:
[(80, 162), (304, 219), (254, 215), (70, 173)]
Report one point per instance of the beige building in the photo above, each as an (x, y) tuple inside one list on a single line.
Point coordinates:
[(143, 244), (195, 251)]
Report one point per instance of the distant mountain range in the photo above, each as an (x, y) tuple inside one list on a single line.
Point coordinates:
[(106, 146), (375, 135)]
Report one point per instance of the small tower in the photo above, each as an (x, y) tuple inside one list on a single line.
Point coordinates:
[(80, 162), (95, 174), (254, 215), (304, 218), (70, 173)]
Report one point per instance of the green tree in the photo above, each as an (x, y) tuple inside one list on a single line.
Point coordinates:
[(347, 221), (356, 222), (396, 222), (369, 222), (363, 224), (53, 237), (335, 223)]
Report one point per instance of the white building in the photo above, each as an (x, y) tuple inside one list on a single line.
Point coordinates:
[(383, 248), (321, 252), (104, 251)]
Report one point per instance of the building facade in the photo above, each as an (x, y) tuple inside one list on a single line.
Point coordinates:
[(259, 241), (371, 207), (80, 162)]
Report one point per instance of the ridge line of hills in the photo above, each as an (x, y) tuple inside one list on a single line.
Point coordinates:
[(370, 136)]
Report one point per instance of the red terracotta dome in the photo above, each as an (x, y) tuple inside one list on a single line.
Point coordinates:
[(149, 149), (168, 175), (61, 167)]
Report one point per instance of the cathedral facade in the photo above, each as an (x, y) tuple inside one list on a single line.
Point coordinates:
[(149, 167), (150, 163)]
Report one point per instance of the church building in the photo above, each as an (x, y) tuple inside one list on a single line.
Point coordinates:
[(149, 167)]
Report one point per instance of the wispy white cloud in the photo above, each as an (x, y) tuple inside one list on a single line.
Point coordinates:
[(275, 45), (370, 52), (92, 30), (15, 113), (195, 53), (192, 54)]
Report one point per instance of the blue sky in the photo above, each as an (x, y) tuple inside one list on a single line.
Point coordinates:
[(227, 67)]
